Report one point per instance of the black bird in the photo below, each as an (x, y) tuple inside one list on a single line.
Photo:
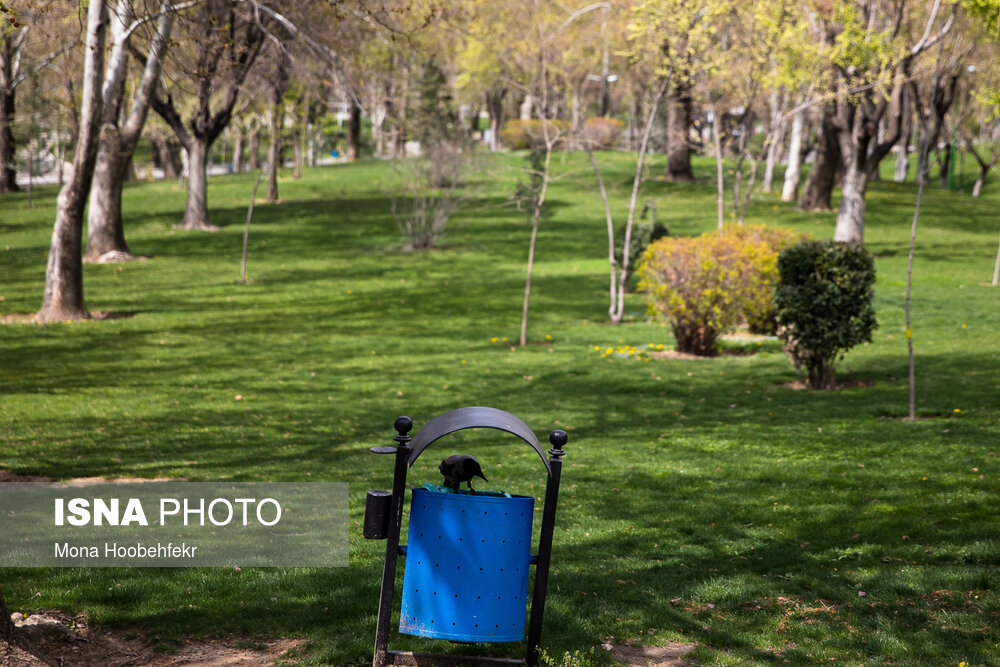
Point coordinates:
[(459, 468)]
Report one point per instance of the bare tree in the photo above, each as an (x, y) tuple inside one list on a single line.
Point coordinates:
[(226, 38)]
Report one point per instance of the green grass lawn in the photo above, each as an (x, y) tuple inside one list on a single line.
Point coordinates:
[(702, 501)]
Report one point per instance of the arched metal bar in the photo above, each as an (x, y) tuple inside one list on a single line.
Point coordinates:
[(474, 417)]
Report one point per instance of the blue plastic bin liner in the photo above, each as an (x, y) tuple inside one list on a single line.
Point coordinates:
[(466, 575)]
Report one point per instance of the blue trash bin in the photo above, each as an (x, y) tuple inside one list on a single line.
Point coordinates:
[(467, 558)]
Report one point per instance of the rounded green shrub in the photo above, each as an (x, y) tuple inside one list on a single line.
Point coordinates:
[(701, 286), (824, 304)]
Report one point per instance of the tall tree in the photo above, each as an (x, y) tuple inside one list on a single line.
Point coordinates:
[(279, 84), (680, 107), (225, 38), (20, 59), (63, 298), (872, 60), (119, 136)]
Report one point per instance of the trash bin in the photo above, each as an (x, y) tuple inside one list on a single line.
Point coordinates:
[(466, 576)]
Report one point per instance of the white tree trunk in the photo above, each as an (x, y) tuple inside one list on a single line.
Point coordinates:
[(774, 148), (526, 106), (105, 231), (793, 172), (63, 299), (902, 160), (196, 208), (851, 216)]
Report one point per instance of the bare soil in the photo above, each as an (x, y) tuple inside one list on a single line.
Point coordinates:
[(61, 639), (670, 655), (8, 476), (31, 318), (840, 384)]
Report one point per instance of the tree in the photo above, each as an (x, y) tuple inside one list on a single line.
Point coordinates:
[(63, 298), (225, 38), (872, 62), (655, 38), (17, 64), (119, 136), (279, 85), (932, 109)]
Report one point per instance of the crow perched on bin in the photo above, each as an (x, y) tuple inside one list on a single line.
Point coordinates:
[(459, 468)]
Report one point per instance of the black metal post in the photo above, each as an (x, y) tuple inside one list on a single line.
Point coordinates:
[(558, 439), (402, 426)]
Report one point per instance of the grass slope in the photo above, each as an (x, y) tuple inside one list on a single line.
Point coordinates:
[(702, 501)]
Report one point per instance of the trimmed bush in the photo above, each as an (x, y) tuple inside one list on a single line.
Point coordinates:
[(759, 314), (522, 134), (824, 303), (603, 132), (701, 286)]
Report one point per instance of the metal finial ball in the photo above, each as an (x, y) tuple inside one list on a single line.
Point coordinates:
[(403, 424), (558, 438)]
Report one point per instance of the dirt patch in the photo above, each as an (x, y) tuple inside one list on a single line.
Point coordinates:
[(725, 352), (32, 318), (8, 476), (62, 639), (841, 384), (669, 655)]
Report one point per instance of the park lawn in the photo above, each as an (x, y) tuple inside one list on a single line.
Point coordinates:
[(703, 500)]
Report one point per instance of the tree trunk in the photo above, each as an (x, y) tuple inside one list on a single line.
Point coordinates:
[(254, 148), (354, 133), (679, 106), (105, 231), (238, 148), (117, 142), (173, 163), (8, 174), (772, 158), (526, 107), (945, 166), (817, 194), (274, 151), (473, 120), (298, 156), (196, 208), (774, 148), (793, 172), (851, 216), (63, 298), (821, 375), (494, 106), (380, 112), (903, 147)]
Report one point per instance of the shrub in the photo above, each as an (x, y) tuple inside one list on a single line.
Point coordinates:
[(645, 230), (603, 132), (521, 134), (432, 194), (701, 286), (759, 314), (824, 303)]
